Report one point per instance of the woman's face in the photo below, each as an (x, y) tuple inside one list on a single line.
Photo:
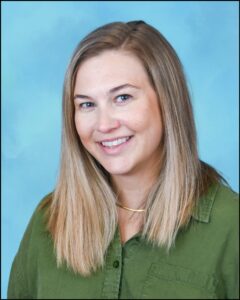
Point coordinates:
[(117, 115)]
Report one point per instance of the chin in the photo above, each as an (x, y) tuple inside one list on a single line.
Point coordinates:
[(117, 170)]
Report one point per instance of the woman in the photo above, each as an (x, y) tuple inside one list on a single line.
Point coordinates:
[(135, 214)]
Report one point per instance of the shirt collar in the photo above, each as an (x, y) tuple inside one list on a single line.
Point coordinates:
[(202, 212)]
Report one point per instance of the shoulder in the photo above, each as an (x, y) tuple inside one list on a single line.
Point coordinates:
[(38, 221), (36, 232), (44, 203), (39, 216), (225, 204), (224, 216), (216, 221), (224, 228), (226, 193), (42, 207), (35, 241), (220, 204)]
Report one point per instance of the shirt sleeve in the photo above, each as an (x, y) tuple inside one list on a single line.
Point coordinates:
[(19, 285), (231, 257)]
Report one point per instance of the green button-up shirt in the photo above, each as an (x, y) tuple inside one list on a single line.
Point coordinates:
[(203, 264)]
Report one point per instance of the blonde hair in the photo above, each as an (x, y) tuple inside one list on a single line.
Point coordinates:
[(82, 215)]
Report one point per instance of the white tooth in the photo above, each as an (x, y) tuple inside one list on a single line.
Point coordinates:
[(115, 143)]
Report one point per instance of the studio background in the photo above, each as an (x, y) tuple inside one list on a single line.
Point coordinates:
[(38, 39)]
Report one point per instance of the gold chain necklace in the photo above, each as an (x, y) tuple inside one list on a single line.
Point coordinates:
[(130, 209)]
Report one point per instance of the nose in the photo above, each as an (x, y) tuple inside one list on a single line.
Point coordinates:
[(107, 121)]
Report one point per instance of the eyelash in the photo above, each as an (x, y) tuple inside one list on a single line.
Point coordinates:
[(124, 95), (82, 105), (88, 105)]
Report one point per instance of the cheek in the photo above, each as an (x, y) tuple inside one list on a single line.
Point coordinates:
[(135, 117), (151, 126), (84, 128), (146, 119)]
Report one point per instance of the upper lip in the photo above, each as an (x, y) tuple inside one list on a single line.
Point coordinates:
[(114, 139)]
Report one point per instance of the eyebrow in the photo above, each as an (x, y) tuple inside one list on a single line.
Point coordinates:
[(111, 91)]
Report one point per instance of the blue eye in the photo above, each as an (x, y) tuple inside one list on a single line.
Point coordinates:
[(123, 98), (86, 105)]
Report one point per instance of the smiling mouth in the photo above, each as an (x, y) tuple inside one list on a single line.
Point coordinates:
[(116, 142)]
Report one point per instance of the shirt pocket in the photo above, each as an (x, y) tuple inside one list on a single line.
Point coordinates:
[(167, 281)]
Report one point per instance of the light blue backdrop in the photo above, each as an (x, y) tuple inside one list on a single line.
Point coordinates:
[(38, 39)]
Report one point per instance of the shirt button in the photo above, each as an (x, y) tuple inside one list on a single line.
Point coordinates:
[(116, 264)]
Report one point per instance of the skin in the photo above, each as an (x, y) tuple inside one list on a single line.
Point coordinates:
[(113, 98)]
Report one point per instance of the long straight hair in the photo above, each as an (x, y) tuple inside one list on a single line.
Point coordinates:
[(82, 215)]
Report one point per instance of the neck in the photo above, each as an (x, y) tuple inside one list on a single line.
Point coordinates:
[(133, 190)]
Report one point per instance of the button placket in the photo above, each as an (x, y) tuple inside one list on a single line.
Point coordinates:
[(113, 272), (116, 264)]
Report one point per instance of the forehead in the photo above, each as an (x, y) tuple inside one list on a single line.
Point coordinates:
[(110, 67)]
